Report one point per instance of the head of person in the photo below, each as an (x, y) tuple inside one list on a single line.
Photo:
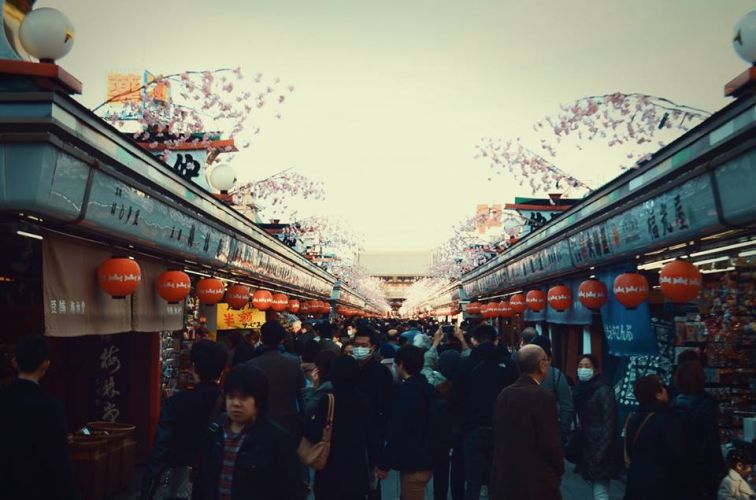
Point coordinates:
[(325, 330), (688, 355), (253, 337), (544, 343), (351, 330), (387, 351), (588, 367), (484, 334), (246, 391), (272, 334), (32, 356), (392, 335), (348, 348), (448, 363), (527, 336), (690, 377), (296, 326), (310, 349), (741, 462), (649, 390), (409, 361), (344, 373), (364, 344), (323, 362), (533, 362), (208, 359)]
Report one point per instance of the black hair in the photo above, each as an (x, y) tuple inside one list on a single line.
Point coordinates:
[(528, 334), (323, 362), (485, 333), (250, 381), (209, 359), (646, 388), (411, 358), (738, 456), (592, 358), (324, 329), (688, 355), (31, 352), (310, 350), (543, 342), (366, 331), (272, 334), (344, 373)]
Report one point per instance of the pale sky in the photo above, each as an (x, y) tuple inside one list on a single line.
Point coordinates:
[(392, 96)]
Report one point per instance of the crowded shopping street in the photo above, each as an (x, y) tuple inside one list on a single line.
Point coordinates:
[(395, 250)]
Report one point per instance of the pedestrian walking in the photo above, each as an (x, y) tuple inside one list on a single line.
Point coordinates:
[(354, 443), (449, 468), (598, 456), (557, 384), (654, 450), (735, 485), (183, 423), (245, 454), (698, 414), (527, 458), (34, 461), (408, 442)]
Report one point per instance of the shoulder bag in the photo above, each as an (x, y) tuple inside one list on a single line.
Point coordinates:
[(315, 455), (635, 438)]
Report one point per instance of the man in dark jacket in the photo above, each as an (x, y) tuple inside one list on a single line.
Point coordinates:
[(184, 420), (482, 376), (407, 446), (376, 382), (245, 455), (286, 379), (34, 460), (527, 460)]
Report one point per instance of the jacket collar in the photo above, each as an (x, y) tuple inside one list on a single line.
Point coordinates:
[(742, 485), (527, 380)]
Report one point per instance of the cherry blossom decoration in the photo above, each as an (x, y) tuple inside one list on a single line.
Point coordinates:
[(275, 191)]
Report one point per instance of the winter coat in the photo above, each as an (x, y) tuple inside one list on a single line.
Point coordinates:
[(377, 384), (354, 445), (527, 457), (406, 448), (481, 377), (184, 419), (659, 468), (266, 467), (597, 418), (734, 487), (698, 415), (557, 384)]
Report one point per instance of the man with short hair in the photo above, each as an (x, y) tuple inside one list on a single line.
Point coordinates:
[(184, 419), (287, 383), (406, 448), (527, 336), (527, 460), (34, 458)]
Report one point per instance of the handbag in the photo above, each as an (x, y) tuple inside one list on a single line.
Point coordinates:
[(315, 455)]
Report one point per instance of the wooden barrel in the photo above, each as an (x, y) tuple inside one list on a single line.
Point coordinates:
[(123, 474), (89, 464)]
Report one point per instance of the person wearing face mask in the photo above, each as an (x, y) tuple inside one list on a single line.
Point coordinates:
[(597, 457), (374, 381)]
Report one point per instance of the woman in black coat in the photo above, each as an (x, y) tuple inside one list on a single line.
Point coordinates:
[(596, 408), (698, 415), (354, 442), (654, 447)]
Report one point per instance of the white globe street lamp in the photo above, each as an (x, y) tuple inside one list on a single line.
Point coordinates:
[(46, 34), (222, 177), (744, 39)]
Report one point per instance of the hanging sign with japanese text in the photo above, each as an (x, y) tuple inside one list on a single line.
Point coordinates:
[(234, 319)]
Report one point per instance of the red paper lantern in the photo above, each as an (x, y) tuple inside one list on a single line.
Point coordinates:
[(474, 307), (505, 309), (305, 307), (210, 290), (280, 302), (237, 296), (518, 303), (262, 300), (560, 298), (119, 276), (680, 281), (294, 306), (630, 289), (593, 294), (325, 308), (535, 300), (173, 286), (487, 310)]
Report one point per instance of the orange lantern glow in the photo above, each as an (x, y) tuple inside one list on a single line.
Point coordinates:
[(119, 276), (535, 300), (505, 309), (262, 300), (518, 303), (173, 286), (485, 310), (210, 290), (630, 289), (560, 298), (474, 307), (280, 302), (325, 308), (593, 294), (237, 296), (293, 306), (680, 281)]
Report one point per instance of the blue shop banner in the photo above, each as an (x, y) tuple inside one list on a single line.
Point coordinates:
[(578, 314), (628, 331)]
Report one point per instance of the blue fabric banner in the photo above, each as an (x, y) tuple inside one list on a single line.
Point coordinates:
[(628, 332), (576, 315)]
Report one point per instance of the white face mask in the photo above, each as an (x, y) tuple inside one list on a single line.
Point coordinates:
[(585, 374), (361, 353)]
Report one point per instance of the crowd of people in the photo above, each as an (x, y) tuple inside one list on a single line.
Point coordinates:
[(434, 402)]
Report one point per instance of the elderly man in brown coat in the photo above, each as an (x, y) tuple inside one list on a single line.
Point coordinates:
[(528, 460)]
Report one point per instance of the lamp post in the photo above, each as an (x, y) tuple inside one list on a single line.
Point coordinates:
[(744, 44), (223, 178)]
